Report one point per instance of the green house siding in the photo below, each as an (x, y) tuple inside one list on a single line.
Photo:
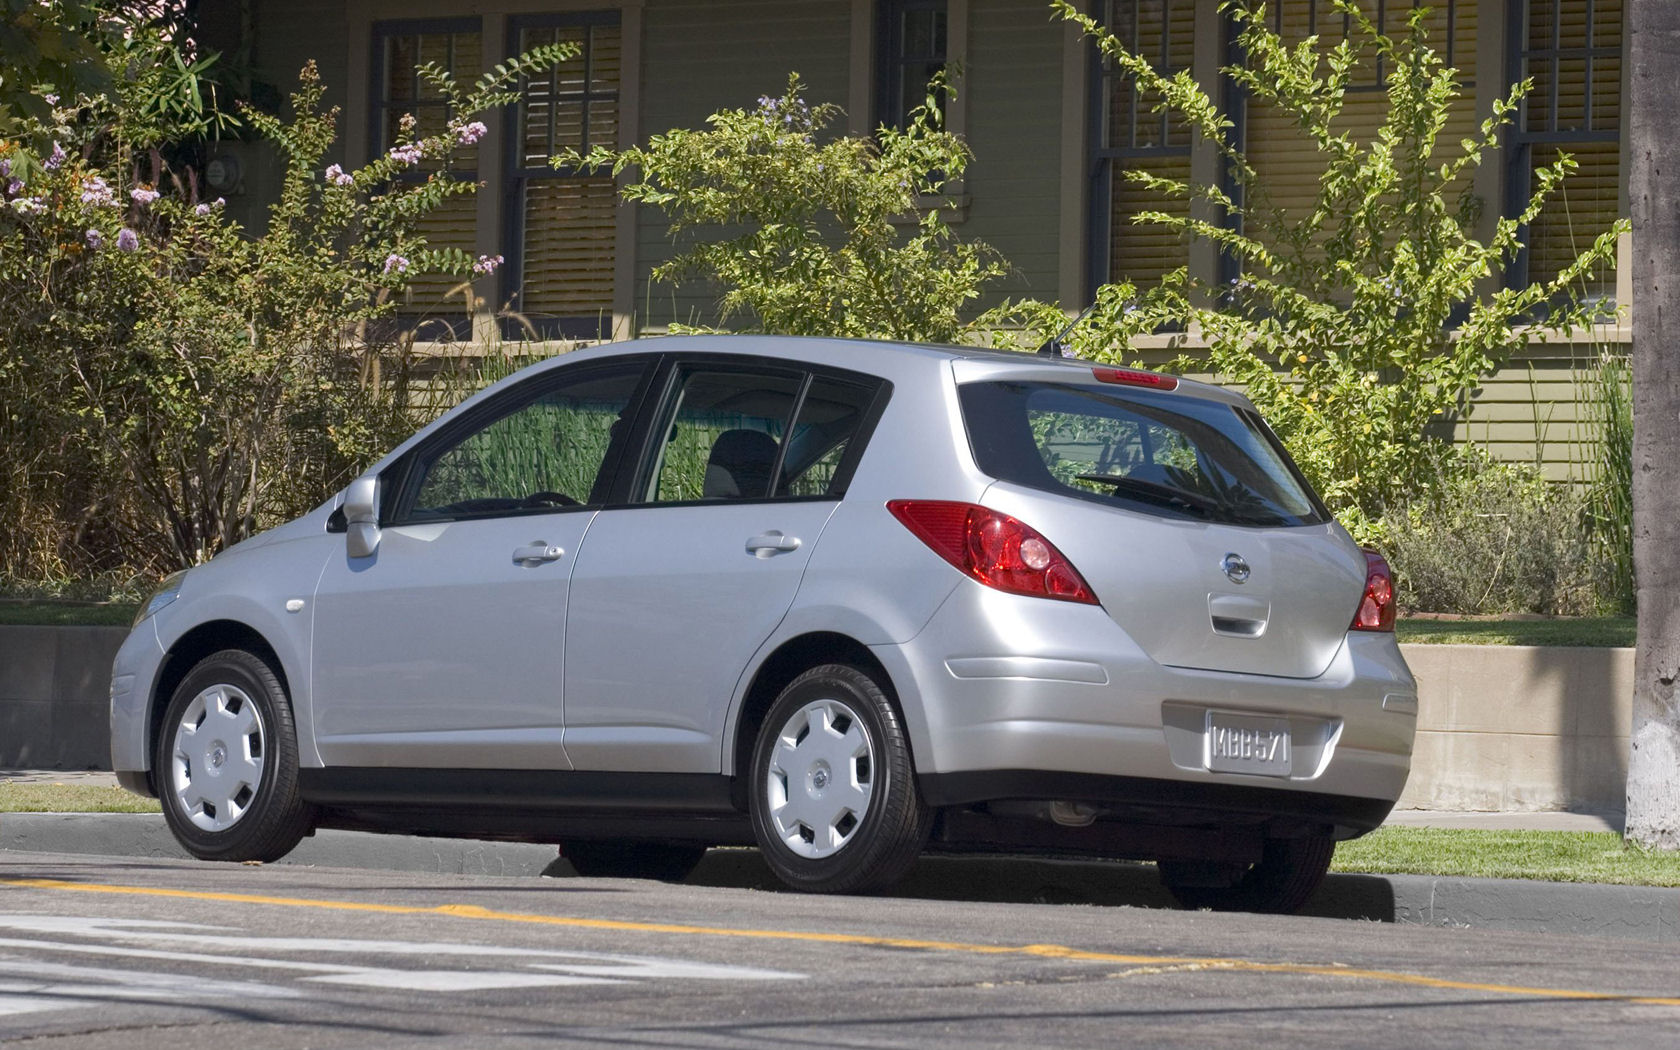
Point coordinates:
[(699, 57), (1014, 86)]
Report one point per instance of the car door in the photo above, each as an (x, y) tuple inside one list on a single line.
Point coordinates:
[(673, 592), (443, 648)]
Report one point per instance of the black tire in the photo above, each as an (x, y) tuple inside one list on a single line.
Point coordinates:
[(614, 859), (857, 854), (1288, 872), (220, 804)]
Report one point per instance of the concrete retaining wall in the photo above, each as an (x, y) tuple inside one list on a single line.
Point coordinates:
[(1511, 728), (55, 696)]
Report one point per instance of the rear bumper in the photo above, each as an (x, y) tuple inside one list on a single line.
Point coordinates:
[(1019, 698), (1171, 803)]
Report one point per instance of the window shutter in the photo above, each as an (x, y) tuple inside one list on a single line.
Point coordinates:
[(570, 230), (454, 224)]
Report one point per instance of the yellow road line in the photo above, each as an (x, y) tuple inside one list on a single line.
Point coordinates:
[(1047, 951)]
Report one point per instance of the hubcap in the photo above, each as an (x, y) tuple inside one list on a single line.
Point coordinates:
[(218, 756), (821, 778)]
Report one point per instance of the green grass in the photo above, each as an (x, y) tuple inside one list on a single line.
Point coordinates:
[(57, 613), (1597, 631), (37, 797), (1554, 856)]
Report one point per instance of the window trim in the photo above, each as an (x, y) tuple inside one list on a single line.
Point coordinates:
[(890, 61), (515, 177)]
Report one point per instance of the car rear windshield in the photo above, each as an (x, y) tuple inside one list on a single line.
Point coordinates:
[(1167, 453)]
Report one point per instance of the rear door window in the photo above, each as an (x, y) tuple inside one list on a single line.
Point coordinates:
[(1160, 452)]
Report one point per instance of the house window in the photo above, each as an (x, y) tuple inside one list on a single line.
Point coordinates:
[(1128, 135), (561, 224), (1572, 49), (912, 49), (399, 50)]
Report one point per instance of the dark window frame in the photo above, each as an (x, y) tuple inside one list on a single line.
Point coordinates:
[(1519, 140), (516, 176), (891, 61), (379, 107), (1104, 159)]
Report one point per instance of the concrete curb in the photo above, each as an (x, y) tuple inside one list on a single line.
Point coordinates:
[(1626, 912)]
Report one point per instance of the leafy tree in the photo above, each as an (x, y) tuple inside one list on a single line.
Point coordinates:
[(1356, 324), (227, 380), (808, 233)]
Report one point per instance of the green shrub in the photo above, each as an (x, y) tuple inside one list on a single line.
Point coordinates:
[(1493, 538)]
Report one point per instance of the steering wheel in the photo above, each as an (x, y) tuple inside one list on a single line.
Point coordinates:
[(549, 499)]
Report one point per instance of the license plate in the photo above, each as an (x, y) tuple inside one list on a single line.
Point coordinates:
[(1236, 743)]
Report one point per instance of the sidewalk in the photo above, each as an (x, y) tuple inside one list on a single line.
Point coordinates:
[(1628, 912)]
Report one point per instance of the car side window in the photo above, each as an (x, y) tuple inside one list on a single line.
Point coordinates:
[(545, 452), (723, 436), (830, 417)]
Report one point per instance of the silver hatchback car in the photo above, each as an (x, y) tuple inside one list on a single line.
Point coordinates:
[(843, 600)]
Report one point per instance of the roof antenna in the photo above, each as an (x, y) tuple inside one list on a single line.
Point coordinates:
[(1055, 345)]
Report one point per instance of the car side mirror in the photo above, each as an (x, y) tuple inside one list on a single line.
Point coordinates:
[(361, 516)]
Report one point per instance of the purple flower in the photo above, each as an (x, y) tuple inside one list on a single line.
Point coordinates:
[(202, 209), (128, 240), (95, 239), (5, 168), (143, 194), (14, 187), (409, 154), (395, 262), (28, 206), (471, 133), (52, 100), (487, 264), (55, 159), (219, 202), (339, 177), (96, 192)]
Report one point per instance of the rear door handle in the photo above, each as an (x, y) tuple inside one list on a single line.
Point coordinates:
[(771, 544), (537, 552)]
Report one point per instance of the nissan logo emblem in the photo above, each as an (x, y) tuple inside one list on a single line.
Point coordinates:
[(1235, 568)]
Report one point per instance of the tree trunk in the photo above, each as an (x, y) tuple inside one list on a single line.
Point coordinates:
[(1653, 789)]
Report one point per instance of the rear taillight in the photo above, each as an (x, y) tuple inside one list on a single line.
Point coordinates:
[(1376, 608), (993, 548)]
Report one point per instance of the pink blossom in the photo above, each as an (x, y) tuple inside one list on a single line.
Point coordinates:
[(409, 154), (339, 177), (128, 240), (395, 262), (96, 192), (143, 194), (94, 239), (471, 133), (202, 209), (487, 264)]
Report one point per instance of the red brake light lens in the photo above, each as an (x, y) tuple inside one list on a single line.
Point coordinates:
[(993, 548), (1134, 377), (1376, 608)]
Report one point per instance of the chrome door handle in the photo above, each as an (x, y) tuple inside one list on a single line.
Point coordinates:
[(536, 552), (771, 544)]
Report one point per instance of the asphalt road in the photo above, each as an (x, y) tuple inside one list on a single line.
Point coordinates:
[(109, 952)]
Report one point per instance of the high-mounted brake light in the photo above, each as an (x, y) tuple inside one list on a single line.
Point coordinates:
[(1376, 607), (993, 548), (1134, 377)]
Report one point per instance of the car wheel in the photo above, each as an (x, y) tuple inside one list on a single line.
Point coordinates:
[(1288, 872), (833, 789), (632, 860), (226, 762)]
